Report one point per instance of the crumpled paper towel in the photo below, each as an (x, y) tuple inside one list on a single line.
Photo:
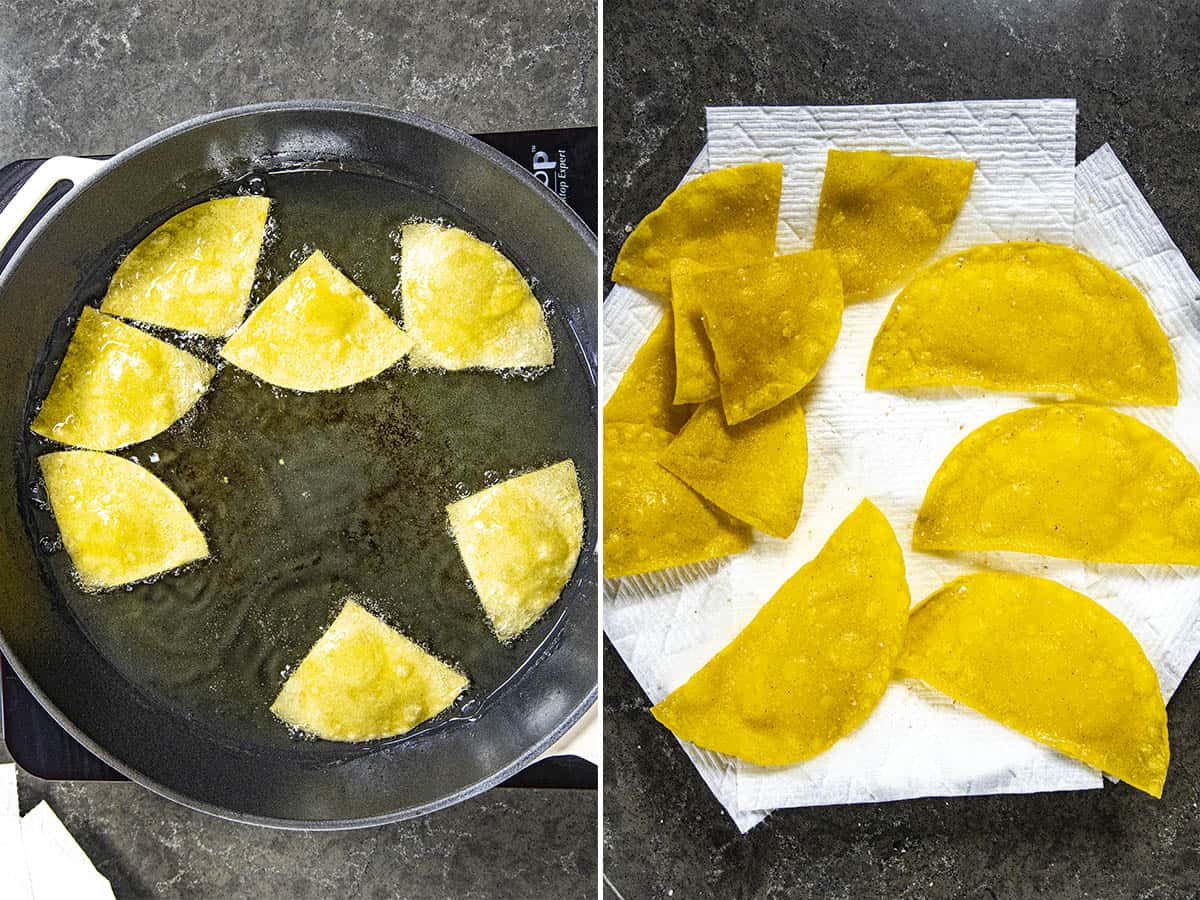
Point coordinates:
[(39, 859), (887, 447), (14, 872), (58, 868)]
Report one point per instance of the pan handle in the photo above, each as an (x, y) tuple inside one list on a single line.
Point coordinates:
[(583, 739), (60, 168)]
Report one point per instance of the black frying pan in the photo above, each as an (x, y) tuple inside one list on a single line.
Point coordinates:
[(546, 681)]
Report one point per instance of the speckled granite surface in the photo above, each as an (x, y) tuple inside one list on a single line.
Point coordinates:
[(508, 843), (92, 77), (1135, 68)]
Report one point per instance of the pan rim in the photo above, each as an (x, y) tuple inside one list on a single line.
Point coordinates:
[(478, 148)]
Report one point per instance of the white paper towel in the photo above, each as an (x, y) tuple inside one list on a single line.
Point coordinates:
[(14, 872), (58, 868), (1024, 152), (9, 807), (887, 447)]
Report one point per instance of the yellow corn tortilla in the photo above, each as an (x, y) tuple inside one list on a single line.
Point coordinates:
[(119, 523), (1024, 316), (363, 680), (813, 663), (1081, 482), (754, 471), (646, 392), (466, 305), (883, 215), (317, 331), (652, 520), (695, 368), (195, 271), (728, 216), (520, 541), (118, 385), (1048, 662), (771, 324)]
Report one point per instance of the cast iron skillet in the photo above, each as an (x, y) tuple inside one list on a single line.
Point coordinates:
[(159, 746)]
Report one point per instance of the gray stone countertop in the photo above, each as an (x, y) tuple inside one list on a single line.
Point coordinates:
[(1135, 69), (85, 77)]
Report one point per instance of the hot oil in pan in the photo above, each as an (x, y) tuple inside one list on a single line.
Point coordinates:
[(308, 498)]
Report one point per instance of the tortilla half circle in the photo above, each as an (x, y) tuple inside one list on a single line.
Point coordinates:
[(363, 680), (520, 541), (883, 215), (1024, 316), (195, 271), (754, 471), (466, 305), (652, 520), (1069, 480), (317, 331), (1048, 662), (117, 386), (119, 523), (726, 217), (645, 394), (813, 663), (772, 324)]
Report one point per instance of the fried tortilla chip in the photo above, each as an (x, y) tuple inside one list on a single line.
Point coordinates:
[(883, 215), (317, 331), (647, 388), (652, 520), (695, 368), (772, 324), (520, 541), (1024, 316), (813, 663), (1069, 480), (466, 305), (119, 523), (195, 271), (118, 385), (754, 471), (728, 216), (363, 680), (1048, 662)]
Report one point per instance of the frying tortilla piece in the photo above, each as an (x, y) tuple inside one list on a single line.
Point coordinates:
[(195, 271), (772, 324), (729, 216), (1048, 662), (520, 541), (652, 520), (119, 523), (646, 392), (754, 471), (363, 680), (466, 305), (1024, 316), (317, 331), (117, 386), (813, 663), (883, 215), (1069, 480), (695, 367)]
